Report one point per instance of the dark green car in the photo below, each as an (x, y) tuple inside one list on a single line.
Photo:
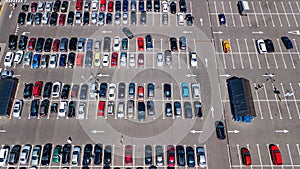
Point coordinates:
[(124, 44), (57, 154)]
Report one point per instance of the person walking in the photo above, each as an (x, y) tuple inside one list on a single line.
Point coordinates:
[(122, 139)]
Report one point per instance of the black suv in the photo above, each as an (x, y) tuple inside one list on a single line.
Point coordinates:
[(65, 91), (73, 44), (47, 89), (70, 19), (28, 90), (39, 44), (21, 18), (182, 6), (66, 153), (173, 44), (87, 155), (56, 5), (48, 45), (46, 155), (23, 42), (53, 18), (156, 6), (12, 42), (72, 108), (34, 108)]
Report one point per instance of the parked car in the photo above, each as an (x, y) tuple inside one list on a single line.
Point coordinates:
[(168, 57), (81, 111), (171, 156), (159, 155), (17, 110), (269, 45), (76, 155), (27, 93), (198, 109), (190, 157), (14, 155), (127, 32), (188, 110), (107, 154), (226, 46), (98, 149), (128, 154), (46, 155), (66, 153), (36, 154), (275, 154), (87, 154), (222, 19), (148, 155), (201, 156), (177, 109), (246, 157), (261, 46), (287, 42), (185, 90), (57, 154), (44, 108)]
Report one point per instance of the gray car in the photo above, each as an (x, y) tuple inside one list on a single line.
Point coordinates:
[(141, 111), (182, 42), (27, 58), (133, 17), (168, 57), (106, 44), (165, 19), (88, 59), (128, 33), (121, 91), (83, 91), (143, 18), (188, 110)]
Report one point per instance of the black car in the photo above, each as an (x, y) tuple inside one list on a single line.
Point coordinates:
[(56, 6), (38, 18), (64, 6), (53, 19), (148, 39), (182, 6), (107, 155), (118, 6), (103, 88), (98, 154), (28, 90), (46, 155), (173, 7), (86, 18), (87, 155), (287, 42), (34, 108), (167, 91), (148, 155), (21, 18), (62, 60), (23, 42), (73, 43), (220, 130), (156, 5), (108, 18), (190, 157), (25, 7), (177, 109), (70, 19), (72, 109), (71, 59), (48, 45), (168, 110), (44, 107), (149, 5), (14, 155), (39, 44), (269, 45), (12, 42), (127, 32), (47, 89), (173, 44), (54, 107), (65, 91), (180, 155), (198, 109), (189, 19), (66, 153)]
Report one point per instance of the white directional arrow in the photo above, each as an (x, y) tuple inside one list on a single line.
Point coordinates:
[(296, 32), (97, 131), (106, 31), (201, 21), (2, 131), (189, 75), (102, 75), (282, 131), (212, 111), (24, 33), (226, 75), (289, 94), (187, 32), (259, 32), (269, 75), (195, 131), (219, 32), (206, 60), (234, 131)]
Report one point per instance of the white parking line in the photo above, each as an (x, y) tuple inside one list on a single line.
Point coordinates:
[(295, 101), (265, 90), (262, 13), (296, 48), (298, 149), (223, 9), (293, 14), (224, 59), (238, 45), (259, 107), (287, 19), (241, 20), (298, 6), (233, 21), (267, 62), (251, 67), (270, 156), (292, 59), (216, 12), (278, 14), (259, 156), (281, 55), (255, 14), (270, 13), (289, 152), (258, 61), (178, 56), (286, 104), (228, 153), (249, 21), (238, 154)]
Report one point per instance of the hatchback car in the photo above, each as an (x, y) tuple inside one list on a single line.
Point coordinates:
[(127, 32)]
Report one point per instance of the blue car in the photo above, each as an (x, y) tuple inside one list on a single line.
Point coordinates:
[(108, 18), (36, 61), (185, 90), (62, 60), (125, 5), (149, 44), (287, 42), (89, 44), (222, 19), (141, 5)]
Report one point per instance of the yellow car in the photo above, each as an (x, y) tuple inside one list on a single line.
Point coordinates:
[(97, 59), (226, 46)]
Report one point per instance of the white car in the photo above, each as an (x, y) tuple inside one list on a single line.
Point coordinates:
[(105, 59), (18, 57), (123, 59), (94, 17), (45, 17), (24, 157), (36, 153), (261, 46), (17, 108), (81, 111), (41, 6), (4, 155), (180, 19), (111, 91), (164, 6), (62, 108), (93, 90), (116, 46), (201, 154), (53, 61), (78, 17), (27, 58), (76, 155), (48, 7), (9, 57), (121, 110), (125, 18), (195, 90), (94, 5), (56, 89), (193, 58), (131, 60), (160, 59)]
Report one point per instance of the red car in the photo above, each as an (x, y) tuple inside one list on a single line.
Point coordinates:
[(37, 89), (140, 93), (33, 6), (101, 107), (114, 59), (140, 42), (171, 156), (62, 19), (140, 60), (275, 154), (102, 5), (246, 157), (79, 4), (110, 6), (55, 45), (128, 154), (31, 43)]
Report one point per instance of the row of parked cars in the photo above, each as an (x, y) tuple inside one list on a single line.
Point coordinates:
[(98, 154)]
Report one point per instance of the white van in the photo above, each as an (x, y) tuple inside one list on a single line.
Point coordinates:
[(243, 6)]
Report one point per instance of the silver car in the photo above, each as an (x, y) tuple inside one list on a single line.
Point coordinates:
[(168, 57), (133, 17), (35, 158), (143, 18), (188, 110), (24, 157), (27, 58), (76, 156), (165, 19), (121, 91)]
